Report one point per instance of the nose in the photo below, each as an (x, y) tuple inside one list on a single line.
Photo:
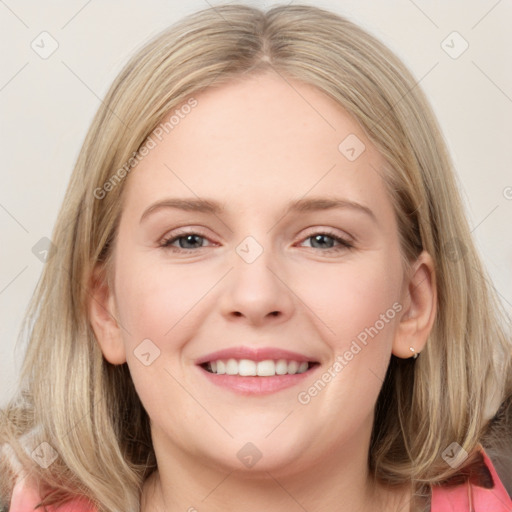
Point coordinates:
[(257, 292)]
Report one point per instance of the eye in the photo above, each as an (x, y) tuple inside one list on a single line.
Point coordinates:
[(185, 242), (327, 241), (189, 241)]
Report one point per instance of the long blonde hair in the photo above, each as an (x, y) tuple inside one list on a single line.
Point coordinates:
[(88, 410)]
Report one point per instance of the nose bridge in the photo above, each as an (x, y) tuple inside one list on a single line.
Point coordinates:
[(256, 290)]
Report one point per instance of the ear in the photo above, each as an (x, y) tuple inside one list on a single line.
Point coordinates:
[(419, 298), (102, 314)]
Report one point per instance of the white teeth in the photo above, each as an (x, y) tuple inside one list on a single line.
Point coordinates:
[(266, 368), (232, 367), (281, 367), (221, 367), (246, 368), (293, 366)]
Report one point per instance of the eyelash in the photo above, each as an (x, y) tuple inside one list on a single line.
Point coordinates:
[(343, 243)]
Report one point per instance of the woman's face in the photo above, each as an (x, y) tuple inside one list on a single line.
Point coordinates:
[(230, 240)]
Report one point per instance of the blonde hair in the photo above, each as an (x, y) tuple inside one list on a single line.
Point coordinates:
[(88, 410)]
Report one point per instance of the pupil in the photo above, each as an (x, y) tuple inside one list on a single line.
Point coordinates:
[(189, 239), (320, 238)]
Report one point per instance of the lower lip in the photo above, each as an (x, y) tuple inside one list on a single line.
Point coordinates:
[(256, 385)]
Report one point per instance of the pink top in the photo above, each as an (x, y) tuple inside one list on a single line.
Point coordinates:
[(25, 498), (472, 498), (461, 498)]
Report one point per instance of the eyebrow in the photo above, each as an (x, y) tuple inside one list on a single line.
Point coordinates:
[(297, 206)]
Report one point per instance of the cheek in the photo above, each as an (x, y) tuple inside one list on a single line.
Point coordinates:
[(152, 299), (155, 302), (358, 301)]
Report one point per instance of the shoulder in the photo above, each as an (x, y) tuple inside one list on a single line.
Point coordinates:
[(488, 495), (25, 498), (23, 491)]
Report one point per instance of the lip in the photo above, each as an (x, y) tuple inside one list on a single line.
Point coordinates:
[(255, 385), (255, 354)]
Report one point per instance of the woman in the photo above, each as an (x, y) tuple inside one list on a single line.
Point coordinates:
[(261, 235)]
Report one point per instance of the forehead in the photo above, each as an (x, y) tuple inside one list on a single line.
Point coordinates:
[(260, 137)]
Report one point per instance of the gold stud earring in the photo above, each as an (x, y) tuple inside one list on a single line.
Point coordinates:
[(414, 353)]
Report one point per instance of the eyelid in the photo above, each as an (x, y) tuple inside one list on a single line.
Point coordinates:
[(182, 232), (337, 233), (345, 241)]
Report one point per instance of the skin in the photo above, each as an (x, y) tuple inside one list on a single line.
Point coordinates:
[(255, 145)]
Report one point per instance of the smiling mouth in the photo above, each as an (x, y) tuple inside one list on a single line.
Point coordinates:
[(250, 368)]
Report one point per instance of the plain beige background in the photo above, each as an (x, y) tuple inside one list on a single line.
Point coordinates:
[(46, 105)]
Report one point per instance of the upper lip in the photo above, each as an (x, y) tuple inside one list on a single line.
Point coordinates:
[(254, 354)]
